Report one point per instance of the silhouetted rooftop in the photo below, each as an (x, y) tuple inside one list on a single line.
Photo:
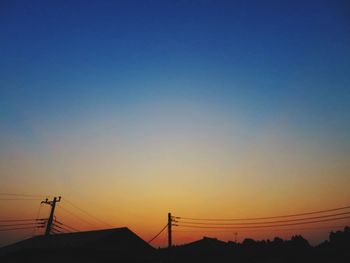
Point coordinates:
[(117, 242)]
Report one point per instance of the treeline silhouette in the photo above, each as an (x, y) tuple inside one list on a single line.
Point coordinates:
[(297, 249), (122, 245)]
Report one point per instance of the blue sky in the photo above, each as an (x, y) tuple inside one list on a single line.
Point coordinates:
[(62, 61), (61, 56)]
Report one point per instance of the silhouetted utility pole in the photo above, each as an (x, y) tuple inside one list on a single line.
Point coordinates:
[(53, 205), (169, 230)]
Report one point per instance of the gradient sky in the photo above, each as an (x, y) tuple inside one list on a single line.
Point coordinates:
[(131, 109)]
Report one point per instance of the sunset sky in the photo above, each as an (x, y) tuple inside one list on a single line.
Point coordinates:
[(133, 109)]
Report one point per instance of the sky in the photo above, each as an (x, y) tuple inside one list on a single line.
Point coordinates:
[(133, 109)]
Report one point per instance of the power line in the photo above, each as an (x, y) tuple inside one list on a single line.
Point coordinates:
[(262, 226), (67, 230), (37, 216), (158, 234), (19, 199), (12, 229), (267, 222), (87, 213), (20, 224), (276, 230), (53, 229), (55, 232), (63, 226), (69, 227), (19, 220), (73, 214), (27, 195), (261, 218)]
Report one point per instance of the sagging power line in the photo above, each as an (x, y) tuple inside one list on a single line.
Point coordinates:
[(12, 229), (266, 222), (63, 226), (77, 216), (256, 223), (20, 220), (24, 195), (20, 224), (323, 216), (331, 227), (167, 226), (86, 213), (264, 226), (262, 218), (19, 199), (161, 231)]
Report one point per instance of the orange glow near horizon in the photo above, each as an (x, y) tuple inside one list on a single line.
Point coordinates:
[(147, 225), (127, 176)]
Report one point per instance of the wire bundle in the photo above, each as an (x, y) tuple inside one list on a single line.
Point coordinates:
[(309, 218)]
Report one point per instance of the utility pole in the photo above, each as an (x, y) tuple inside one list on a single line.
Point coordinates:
[(169, 230), (50, 220)]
